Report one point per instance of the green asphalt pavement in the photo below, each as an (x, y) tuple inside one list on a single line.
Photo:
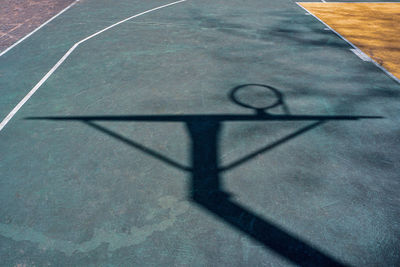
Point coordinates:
[(140, 151)]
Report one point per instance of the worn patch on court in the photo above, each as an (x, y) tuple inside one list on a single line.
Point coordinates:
[(18, 18), (372, 27)]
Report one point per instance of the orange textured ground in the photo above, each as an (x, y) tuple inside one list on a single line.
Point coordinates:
[(372, 27)]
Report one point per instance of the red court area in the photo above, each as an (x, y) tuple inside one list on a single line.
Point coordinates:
[(20, 17)]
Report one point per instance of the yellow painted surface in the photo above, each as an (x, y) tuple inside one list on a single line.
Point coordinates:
[(372, 27)]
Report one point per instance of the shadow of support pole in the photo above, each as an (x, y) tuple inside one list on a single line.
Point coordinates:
[(207, 191)]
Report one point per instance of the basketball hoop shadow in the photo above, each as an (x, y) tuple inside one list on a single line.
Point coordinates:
[(205, 184)]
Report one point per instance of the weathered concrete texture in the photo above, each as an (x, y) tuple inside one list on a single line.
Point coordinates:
[(20, 17), (161, 178)]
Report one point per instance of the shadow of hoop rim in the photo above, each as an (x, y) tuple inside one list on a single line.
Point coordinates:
[(233, 96)]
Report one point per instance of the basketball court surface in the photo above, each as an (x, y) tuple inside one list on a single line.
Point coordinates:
[(202, 133)]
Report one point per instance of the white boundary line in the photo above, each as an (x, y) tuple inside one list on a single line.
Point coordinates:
[(343, 38), (66, 55), (361, 55), (38, 28)]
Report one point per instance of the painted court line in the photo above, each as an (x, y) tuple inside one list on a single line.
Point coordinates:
[(58, 64), (361, 55), (350, 43), (38, 28)]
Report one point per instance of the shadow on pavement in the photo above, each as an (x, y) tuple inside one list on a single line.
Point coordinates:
[(205, 169)]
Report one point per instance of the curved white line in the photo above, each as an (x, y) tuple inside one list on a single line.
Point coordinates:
[(55, 67)]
